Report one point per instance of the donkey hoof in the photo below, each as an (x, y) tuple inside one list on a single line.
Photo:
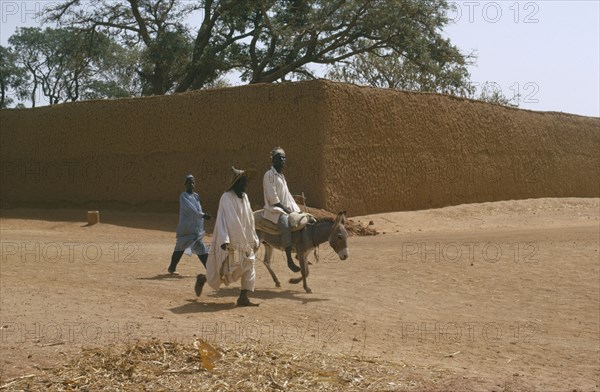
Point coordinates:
[(308, 291), (277, 284)]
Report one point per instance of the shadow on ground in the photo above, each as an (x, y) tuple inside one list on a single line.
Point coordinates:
[(206, 302)]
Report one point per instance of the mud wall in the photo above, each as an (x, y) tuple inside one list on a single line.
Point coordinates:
[(360, 149), (392, 151), (135, 152)]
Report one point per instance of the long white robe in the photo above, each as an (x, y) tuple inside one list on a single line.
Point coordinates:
[(234, 225), (275, 190)]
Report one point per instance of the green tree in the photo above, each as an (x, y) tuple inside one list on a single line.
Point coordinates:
[(392, 71), (154, 28), (114, 73), (68, 64), (296, 34), (12, 77), (29, 57), (492, 93), (266, 40), (447, 74)]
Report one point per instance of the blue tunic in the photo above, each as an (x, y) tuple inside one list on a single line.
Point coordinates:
[(190, 230)]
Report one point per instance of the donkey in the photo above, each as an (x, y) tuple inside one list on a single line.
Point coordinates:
[(305, 240)]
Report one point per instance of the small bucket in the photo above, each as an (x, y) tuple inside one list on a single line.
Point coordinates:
[(93, 217)]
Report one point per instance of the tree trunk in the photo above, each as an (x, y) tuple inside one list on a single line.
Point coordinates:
[(2, 87), (157, 81), (33, 94)]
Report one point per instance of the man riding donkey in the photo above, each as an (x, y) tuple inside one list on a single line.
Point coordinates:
[(281, 224), (279, 202), (235, 242)]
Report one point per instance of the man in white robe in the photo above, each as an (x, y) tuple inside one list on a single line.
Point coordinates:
[(279, 202), (234, 241)]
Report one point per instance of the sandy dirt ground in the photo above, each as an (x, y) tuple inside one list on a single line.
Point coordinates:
[(493, 296)]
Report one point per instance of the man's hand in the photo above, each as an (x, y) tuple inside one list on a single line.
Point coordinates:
[(282, 207), (225, 246), (206, 216)]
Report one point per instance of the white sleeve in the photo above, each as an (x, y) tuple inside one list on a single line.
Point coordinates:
[(251, 219), (220, 230), (270, 189), (294, 207)]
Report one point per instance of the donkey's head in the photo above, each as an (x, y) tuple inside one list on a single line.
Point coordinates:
[(338, 239)]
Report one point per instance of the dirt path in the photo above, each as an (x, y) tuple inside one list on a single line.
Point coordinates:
[(493, 296)]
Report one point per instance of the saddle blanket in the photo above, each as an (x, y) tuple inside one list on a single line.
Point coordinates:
[(297, 221)]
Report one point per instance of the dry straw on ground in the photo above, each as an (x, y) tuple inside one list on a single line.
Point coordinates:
[(166, 366)]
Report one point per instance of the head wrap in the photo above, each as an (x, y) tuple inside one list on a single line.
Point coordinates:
[(236, 174), (188, 177), (277, 151)]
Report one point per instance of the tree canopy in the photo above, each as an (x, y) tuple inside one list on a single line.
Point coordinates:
[(167, 46), (11, 76), (391, 70), (67, 64)]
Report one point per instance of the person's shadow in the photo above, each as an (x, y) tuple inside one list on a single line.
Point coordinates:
[(166, 277), (204, 304)]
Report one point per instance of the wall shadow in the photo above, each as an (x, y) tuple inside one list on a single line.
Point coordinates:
[(159, 221)]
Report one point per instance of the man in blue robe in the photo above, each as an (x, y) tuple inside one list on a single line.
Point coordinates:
[(190, 230)]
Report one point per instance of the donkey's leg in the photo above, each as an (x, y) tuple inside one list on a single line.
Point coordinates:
[(302, 253), (299, 279), (304, 269), (267, 262)]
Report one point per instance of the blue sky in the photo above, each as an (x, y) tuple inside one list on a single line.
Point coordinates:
[(548, 52)]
